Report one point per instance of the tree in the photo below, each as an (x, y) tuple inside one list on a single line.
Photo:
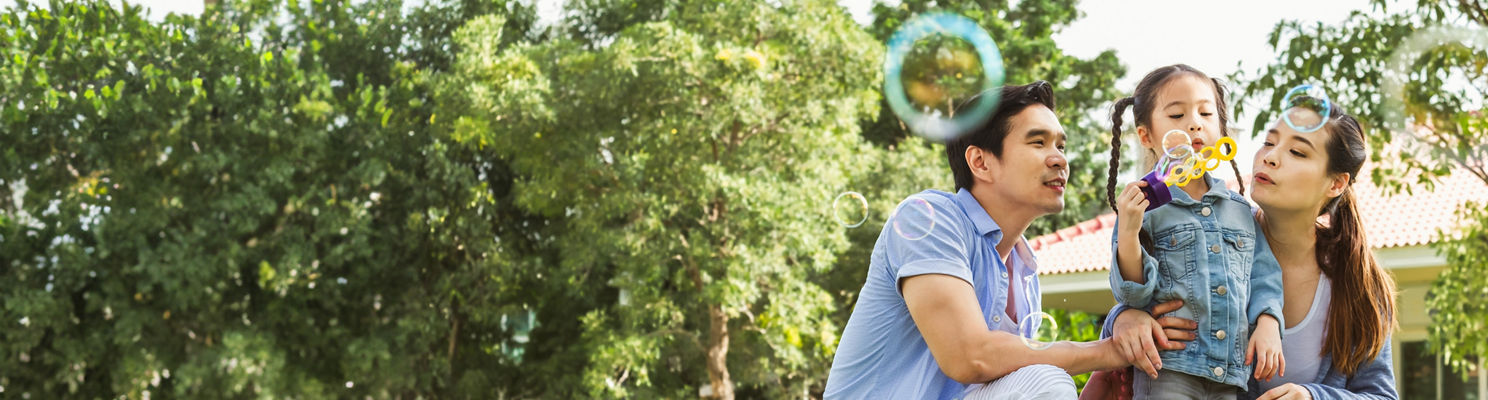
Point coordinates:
[(1416, 75), (688, 162), (245, 204)]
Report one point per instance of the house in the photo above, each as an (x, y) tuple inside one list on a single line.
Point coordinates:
[(1075, 266)]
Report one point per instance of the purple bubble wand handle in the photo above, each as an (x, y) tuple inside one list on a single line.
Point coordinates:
[(1156, 190)]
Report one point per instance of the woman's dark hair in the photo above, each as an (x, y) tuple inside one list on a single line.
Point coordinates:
[(1362, 312), (989, 136), (1143, 100)]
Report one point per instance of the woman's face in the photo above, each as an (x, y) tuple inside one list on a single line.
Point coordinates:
[(1291, 171)]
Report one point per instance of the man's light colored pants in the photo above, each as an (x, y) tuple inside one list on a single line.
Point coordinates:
[(1040, 381)]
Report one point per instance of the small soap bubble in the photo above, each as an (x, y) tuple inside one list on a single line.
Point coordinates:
[(1038, 330), (914, 219), (850, 209)]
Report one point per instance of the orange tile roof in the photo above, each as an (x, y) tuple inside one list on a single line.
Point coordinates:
[(1389, 221)]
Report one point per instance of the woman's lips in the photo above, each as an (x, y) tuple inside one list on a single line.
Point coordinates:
[(1262, 178)]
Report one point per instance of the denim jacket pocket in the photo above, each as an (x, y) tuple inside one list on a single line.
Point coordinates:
[(1175, 260), (1242, 257)]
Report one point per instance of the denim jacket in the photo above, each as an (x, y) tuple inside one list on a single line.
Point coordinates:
[(1210, 253)]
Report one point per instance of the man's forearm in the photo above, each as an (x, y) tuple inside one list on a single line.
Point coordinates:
[(1003, 353)]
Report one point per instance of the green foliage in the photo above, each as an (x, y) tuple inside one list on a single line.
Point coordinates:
[(245, 204), (690, 165), (1459, 319)]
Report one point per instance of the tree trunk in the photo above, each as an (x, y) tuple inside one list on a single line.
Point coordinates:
[(718, 342)]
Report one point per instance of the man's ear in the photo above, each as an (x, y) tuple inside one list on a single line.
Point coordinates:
[(983, 164)]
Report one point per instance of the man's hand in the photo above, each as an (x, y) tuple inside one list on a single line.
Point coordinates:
[(1139, 337), (1290, 391), (1265, 349)]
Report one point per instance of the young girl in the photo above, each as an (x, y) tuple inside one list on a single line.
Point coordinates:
[(1203, 248)]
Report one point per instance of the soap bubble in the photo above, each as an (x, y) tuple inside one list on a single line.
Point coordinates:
[(850, 209), (942, 73), (1038, 330), (1306, 108), (914, 219)]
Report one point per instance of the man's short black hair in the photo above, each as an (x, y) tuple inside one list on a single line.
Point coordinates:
[(990, 134)]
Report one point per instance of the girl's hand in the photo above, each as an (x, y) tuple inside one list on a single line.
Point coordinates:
[(1130, 205), (1290, 391), (1265, 349)]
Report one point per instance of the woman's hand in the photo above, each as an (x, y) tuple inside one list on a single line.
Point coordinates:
[(1139, 337), (1290, 391), (1265, 349)]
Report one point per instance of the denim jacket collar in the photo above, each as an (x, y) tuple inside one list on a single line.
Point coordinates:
[(1217, 191)]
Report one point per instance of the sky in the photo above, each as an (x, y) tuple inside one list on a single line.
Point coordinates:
[(1217, 37)]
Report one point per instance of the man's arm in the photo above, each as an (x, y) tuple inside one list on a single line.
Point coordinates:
[(946, 311)]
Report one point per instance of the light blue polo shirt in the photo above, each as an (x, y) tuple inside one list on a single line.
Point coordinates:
[(882, 354)]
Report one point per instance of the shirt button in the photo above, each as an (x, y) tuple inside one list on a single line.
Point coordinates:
[(1218, 371), (1004, 274), (996, 318), (1219, 335), (1214, 248), (1205, 212), (1221, 290)]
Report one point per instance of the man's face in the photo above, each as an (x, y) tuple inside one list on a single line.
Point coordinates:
[(1032, 170)]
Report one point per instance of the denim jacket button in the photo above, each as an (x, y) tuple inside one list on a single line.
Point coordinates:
[(1214, 248), (1219, 335), (1221, 290), (1205, 212), (1218, 371)]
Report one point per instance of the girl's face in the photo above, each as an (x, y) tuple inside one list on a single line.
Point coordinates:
[(1291, 171), (1186, 103)]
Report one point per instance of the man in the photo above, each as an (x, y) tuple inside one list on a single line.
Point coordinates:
[(949, 282)]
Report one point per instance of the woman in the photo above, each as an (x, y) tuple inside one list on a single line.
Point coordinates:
[(1333, 349)]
